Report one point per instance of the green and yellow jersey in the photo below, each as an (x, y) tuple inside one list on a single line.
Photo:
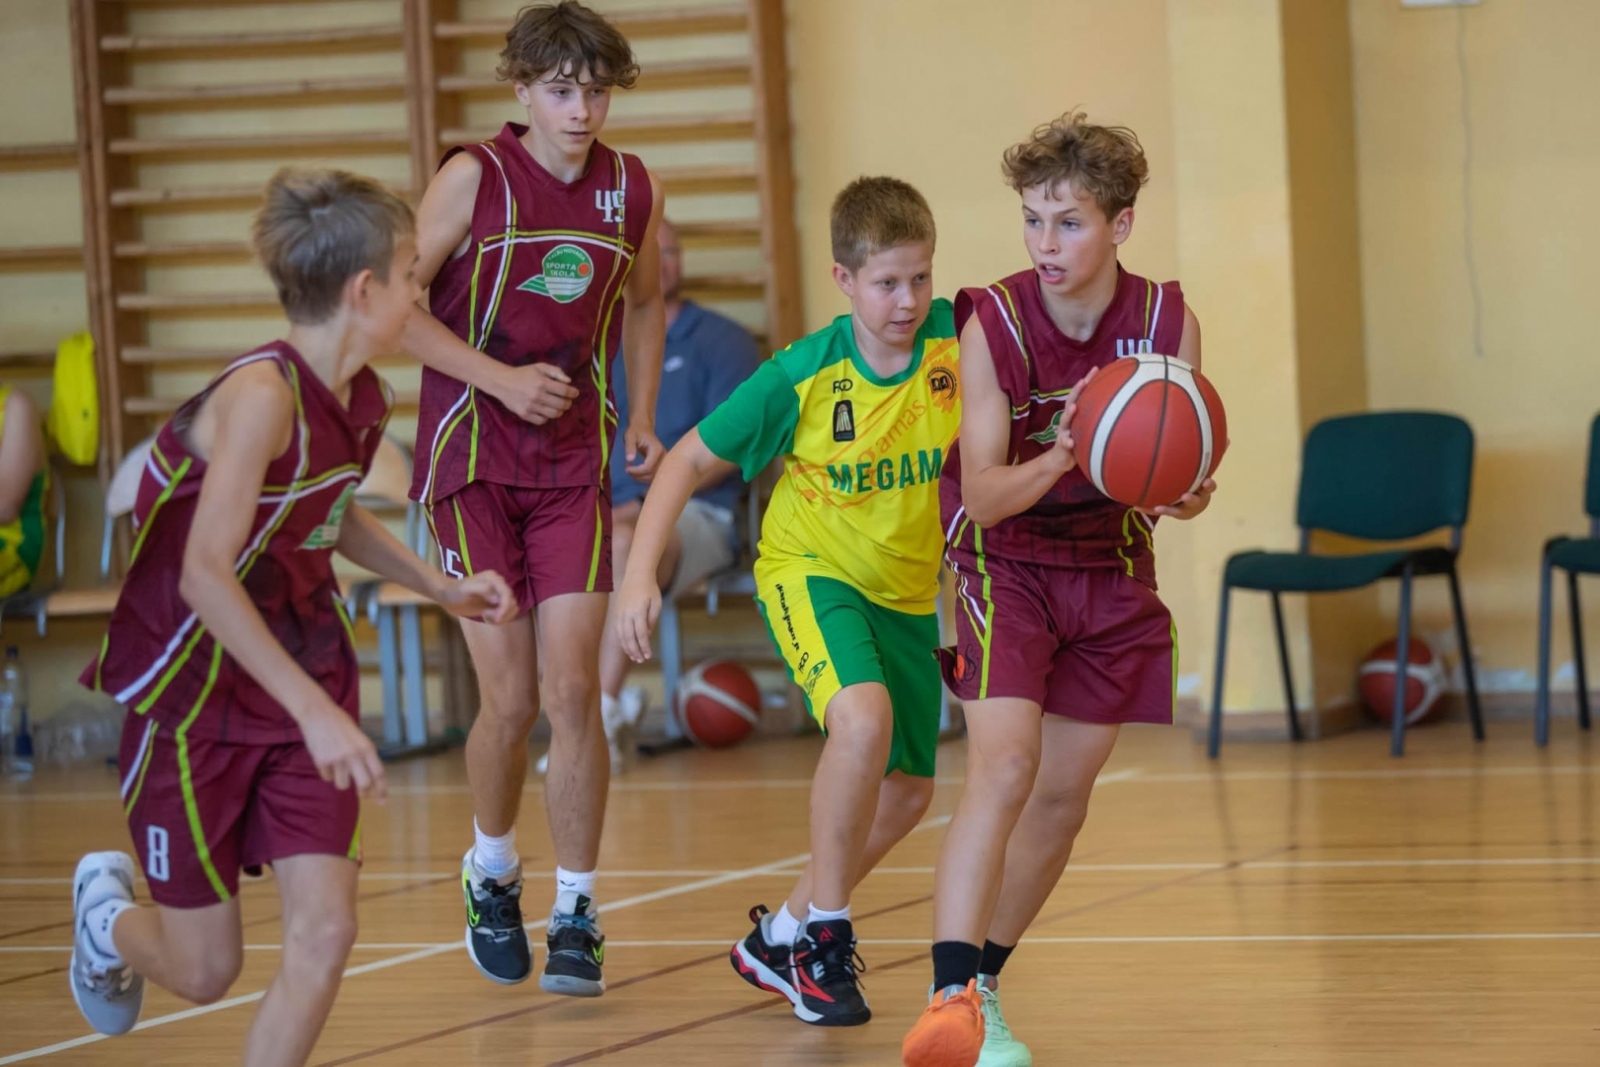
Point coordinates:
[(22, 539), (859, 497)]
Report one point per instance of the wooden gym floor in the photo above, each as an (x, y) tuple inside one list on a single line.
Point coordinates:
[(1314, 905)]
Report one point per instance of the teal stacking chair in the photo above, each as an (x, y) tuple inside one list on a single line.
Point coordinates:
[(1575, 555), (1383, 476)]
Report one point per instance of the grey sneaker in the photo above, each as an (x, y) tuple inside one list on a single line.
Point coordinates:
[(107, 991)]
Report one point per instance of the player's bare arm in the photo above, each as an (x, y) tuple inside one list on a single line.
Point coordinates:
[(537, 392), (1190, 504), (367, 543), (245, 424), (21, 454), (638, 598), (644, 335), (992, 488)]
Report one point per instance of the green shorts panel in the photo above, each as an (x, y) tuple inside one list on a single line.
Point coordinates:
[(831, 636)]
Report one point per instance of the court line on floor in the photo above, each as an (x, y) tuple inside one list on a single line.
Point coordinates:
[(435, 950), (395, 961), (1151, 777), (903, 961)]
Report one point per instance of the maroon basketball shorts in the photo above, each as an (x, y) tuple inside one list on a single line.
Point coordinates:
[(201, 810), (543, 542), (1092, 644)]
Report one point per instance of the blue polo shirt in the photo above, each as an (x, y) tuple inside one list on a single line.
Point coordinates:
[(707, 356)]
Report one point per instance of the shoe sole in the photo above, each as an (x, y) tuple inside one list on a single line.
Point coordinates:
[(495, 978), (566, 985), (761, 976), (937, 1047)]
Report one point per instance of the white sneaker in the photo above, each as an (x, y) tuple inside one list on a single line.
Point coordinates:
[(107, 991), (619, 717)]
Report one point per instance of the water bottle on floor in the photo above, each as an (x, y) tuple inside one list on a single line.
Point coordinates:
[(16, 741)]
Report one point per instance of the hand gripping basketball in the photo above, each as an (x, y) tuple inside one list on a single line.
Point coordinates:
[(1149, 431)]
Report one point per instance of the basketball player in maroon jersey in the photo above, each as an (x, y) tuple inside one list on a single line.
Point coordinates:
[(540, 249), (230, 647), (1061, 637)]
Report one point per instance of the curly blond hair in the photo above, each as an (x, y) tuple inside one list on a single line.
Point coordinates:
[(1103, 162)]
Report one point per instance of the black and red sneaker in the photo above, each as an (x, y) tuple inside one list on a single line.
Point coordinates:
[(760, 962), (824, 972)]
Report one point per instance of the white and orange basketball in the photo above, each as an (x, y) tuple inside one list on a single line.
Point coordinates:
[(1148, 430), (1425, 680), (718, 704)]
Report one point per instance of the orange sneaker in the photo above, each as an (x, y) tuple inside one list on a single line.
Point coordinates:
[(950, 1032)]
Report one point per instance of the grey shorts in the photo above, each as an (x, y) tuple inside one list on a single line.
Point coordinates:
[(706, 533)]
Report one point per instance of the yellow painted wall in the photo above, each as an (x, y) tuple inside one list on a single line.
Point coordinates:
[(1530, 91)]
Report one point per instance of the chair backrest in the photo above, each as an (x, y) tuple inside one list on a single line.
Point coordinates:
[(1386, 476), (1591, 496)]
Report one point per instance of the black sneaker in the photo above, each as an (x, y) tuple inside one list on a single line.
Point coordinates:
[(760, 962), (576, 951), (496, 940), (824, 972)]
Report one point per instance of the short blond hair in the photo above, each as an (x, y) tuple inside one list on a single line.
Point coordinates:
[(1104, 163), (319, 228), (873, 214)]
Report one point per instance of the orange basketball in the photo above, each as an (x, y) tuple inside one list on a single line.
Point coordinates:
[(718, 704), (1425, 680), (1148, 430)]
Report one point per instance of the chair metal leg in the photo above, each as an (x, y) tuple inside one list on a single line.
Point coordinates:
[(1397, 745), (1214, 730), (413, 667), (1295, 733), (389, 673), (1575, 606), (1541, 703), (1474, 706), (671, 664)]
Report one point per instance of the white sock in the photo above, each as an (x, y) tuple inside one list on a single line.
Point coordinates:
[(610, 713), (815, 915), (782, 928), (495, 855), (99, 920), (570, 886)]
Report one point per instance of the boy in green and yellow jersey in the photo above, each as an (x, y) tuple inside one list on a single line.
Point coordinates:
[(24, 486), (863, 412)]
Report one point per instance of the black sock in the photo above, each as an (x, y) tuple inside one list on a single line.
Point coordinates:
[(954, 963), (994, 958)]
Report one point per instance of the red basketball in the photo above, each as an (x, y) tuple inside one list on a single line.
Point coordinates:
[(1148, 430), (1425, 680), (718, 704)]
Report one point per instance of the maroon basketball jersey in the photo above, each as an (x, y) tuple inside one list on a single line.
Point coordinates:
[(1074, 524), (540, 282), (158, 659)]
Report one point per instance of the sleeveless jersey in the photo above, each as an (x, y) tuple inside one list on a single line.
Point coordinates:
[(158, 659), (859, 496), (1074, 524), (22, 539), (541, 282)]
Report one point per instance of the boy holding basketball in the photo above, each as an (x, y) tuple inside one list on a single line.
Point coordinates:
[(230, 647), (863, 413), (1061, 636), (539, 249)]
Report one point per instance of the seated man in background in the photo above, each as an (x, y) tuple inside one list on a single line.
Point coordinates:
[(707, 356), (23, 481)]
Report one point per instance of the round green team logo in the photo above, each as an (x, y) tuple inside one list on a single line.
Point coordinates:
[(568, 270)]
